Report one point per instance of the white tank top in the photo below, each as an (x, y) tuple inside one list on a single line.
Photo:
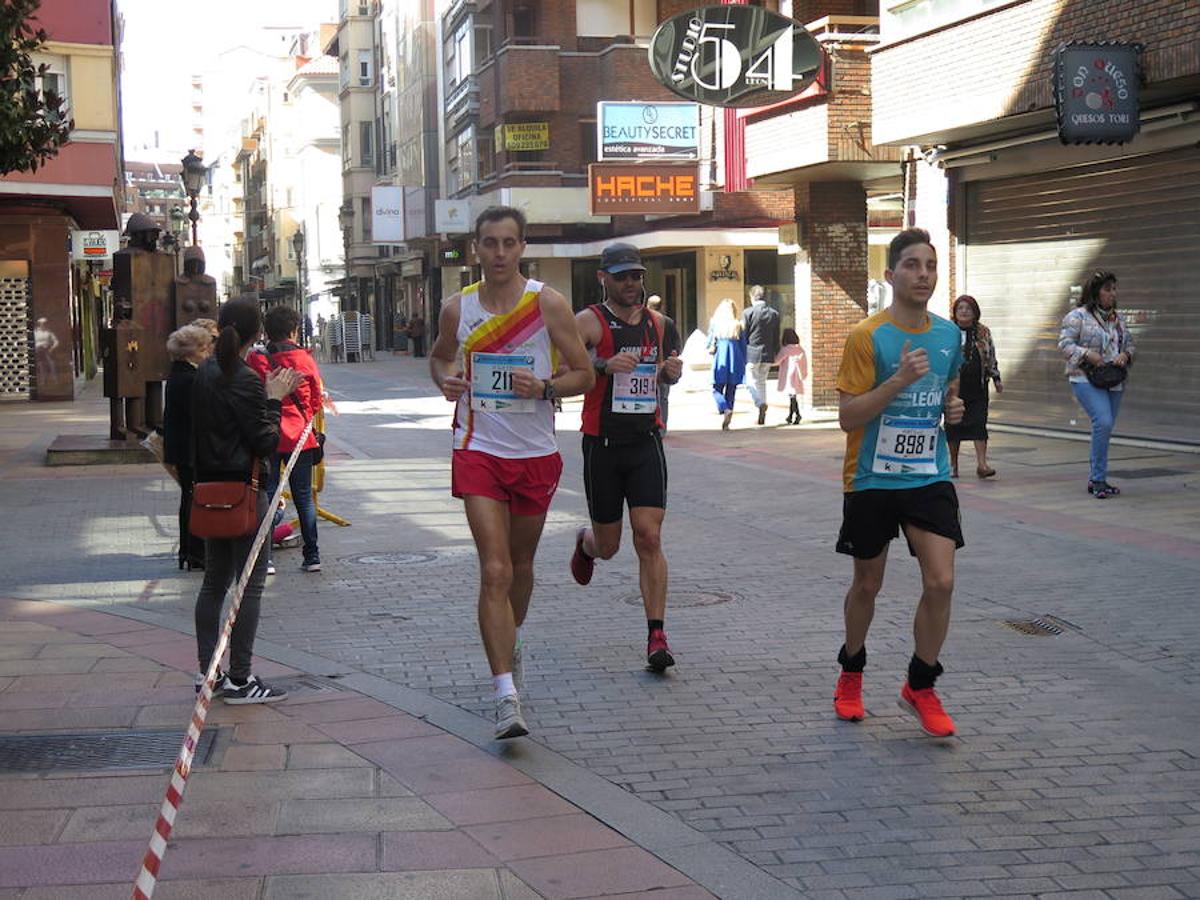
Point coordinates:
[(520, 333)]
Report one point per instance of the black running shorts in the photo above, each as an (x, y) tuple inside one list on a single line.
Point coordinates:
[(872, 518), (633, 472)]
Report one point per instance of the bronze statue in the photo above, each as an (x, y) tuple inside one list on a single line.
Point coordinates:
[(135, 346), (195, 292)]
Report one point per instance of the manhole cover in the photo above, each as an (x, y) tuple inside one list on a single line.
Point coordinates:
[(392, 559), (98, 750), (308, 684), (1034, 627), (685, 599)]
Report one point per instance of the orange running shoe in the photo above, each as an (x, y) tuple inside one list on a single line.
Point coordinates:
[(925, 705), (847, 697)]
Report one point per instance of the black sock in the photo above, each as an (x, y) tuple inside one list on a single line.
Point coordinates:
[(855, 663), (654, 625), (921, 675)]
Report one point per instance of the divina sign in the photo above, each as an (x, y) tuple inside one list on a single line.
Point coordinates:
[(734, 56)]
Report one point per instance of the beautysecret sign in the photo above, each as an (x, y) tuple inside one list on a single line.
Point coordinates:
[(1096, 92), (648, 130)]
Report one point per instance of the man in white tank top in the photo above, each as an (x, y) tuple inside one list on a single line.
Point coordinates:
[(515, 335)]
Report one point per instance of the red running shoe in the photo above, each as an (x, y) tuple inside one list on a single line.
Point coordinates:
[(925, 705), (847, 697), (658, 654), (582, 565)]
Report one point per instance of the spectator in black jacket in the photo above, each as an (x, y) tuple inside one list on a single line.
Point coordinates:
[(235, 424), (760, 324), (189, 346)]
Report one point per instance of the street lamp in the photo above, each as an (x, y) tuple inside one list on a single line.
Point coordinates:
[(194, 175), (346, 222), (298, 246)]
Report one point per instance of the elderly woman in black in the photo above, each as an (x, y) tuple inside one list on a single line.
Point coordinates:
[(979, 370), (189, 346), (235, 427)]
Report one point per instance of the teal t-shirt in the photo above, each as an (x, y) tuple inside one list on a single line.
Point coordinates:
[(904, 446)]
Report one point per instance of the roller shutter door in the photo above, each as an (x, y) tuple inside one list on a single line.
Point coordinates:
[(1031, 240)]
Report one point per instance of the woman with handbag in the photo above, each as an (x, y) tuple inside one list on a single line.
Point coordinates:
[(979, 371), (235, 428), (1099, 351)]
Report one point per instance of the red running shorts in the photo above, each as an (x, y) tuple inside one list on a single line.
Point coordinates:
[(526, 485)]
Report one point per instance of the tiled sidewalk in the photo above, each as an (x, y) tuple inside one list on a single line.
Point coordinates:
[(329, 794)]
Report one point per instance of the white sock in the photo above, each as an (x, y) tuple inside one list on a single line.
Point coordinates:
[(503, 684)]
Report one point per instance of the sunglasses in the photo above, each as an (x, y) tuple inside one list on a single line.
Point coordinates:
[(631, 275)]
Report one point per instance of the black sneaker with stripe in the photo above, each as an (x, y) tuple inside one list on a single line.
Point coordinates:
[(255, 690)]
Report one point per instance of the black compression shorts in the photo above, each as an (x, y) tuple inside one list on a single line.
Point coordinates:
[(633, 471), (871, 518)]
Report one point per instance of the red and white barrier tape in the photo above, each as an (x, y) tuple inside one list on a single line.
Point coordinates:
[(143, 888)]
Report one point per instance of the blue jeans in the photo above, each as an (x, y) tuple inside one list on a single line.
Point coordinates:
[(300, 483), (723, 395), (1101, 407)]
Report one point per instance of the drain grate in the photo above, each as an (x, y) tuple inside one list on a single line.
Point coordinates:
[(393, 559), (98, 750), (686, 599), (1040, 627)]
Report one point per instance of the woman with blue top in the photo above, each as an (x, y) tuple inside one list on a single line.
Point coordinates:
[(1099, 349)]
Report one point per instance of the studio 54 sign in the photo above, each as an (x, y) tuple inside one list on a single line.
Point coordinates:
[(734, 56), (1096, 92)]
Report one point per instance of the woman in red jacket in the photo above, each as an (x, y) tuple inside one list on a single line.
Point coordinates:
[(282, 325)]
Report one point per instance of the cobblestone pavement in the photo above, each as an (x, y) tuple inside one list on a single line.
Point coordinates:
[(1075, 772)]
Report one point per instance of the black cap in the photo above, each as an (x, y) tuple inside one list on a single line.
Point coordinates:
[(621, 258)]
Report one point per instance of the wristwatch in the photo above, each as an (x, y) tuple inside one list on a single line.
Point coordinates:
[(600, 365), (548, 390)]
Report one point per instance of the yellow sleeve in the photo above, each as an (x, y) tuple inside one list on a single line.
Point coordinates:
[(856, 375)]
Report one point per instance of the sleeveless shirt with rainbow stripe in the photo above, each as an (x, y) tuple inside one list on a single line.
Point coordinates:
[(521, 330)]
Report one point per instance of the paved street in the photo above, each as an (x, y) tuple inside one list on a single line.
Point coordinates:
[(1075, 771)]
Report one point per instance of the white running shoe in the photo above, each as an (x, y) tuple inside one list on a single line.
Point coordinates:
[(509, 721)]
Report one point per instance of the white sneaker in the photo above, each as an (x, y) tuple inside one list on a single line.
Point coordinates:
[(270, 568), (509, 721)]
